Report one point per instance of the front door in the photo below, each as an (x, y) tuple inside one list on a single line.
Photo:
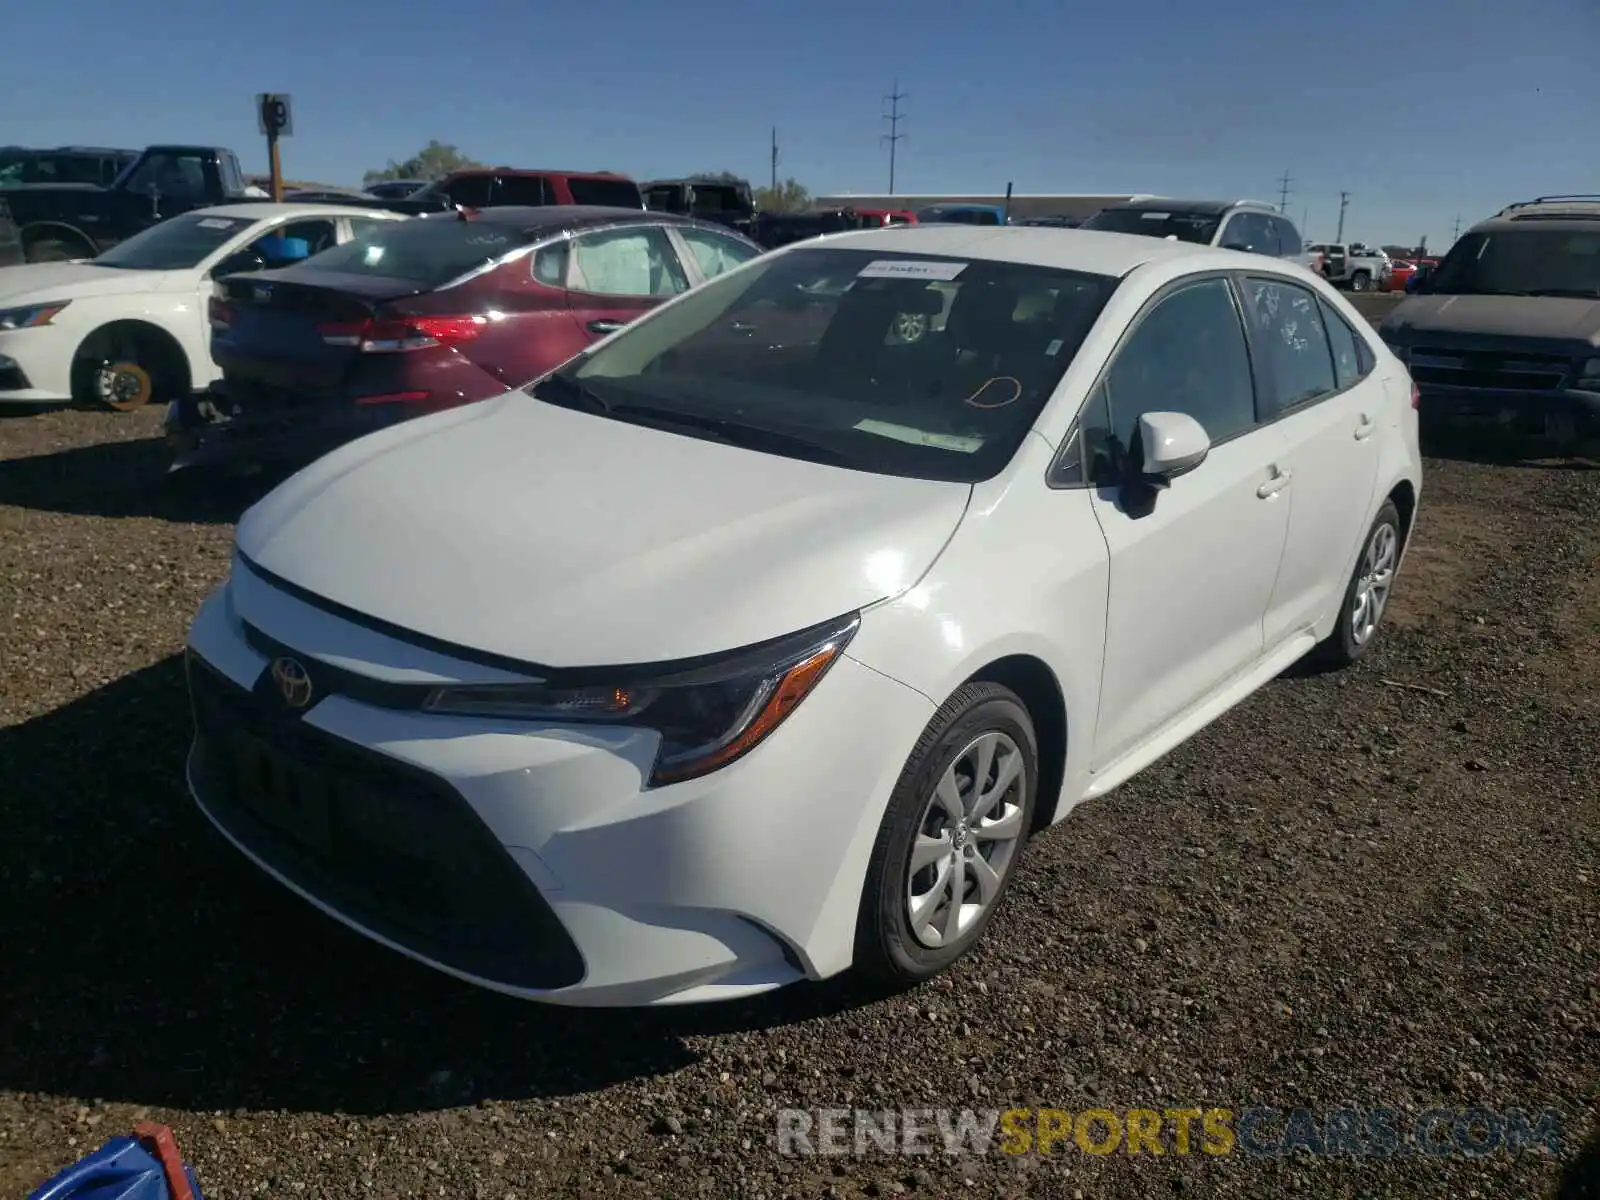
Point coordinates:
[(1190, 577), (1316, 381)]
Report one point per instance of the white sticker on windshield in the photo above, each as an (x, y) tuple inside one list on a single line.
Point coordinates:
[(894, 268), (216, 223), (1053, 349), (921, 437)]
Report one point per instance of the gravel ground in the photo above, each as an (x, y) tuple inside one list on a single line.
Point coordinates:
[(1345, 892)]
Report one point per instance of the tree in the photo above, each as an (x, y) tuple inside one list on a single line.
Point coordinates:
[(433, 161), (789, 196)]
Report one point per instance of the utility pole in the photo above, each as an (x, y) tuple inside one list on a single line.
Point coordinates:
[(774, 160), (1283, 193), (1344, 203), (1456, 232), (894, 116)]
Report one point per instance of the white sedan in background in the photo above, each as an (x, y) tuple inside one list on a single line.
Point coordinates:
[(753, 643), (130, 326)]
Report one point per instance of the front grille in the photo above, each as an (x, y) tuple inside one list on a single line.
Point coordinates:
[(390, 846), (1510, 372)]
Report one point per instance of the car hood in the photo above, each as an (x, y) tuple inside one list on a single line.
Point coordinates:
[(71, 281), (1544, 318), (565, 539)]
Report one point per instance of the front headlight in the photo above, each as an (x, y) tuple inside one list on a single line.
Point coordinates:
[(708, 712), (30, 316), (1589, 376)]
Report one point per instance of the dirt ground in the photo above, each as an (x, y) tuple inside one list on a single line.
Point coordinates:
[(1378, 889)]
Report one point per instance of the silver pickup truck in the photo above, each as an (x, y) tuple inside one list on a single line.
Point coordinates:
[(1355, 266)]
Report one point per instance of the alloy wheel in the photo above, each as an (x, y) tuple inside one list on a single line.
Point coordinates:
[(1373, 584)]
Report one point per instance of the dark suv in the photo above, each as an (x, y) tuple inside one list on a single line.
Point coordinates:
[(1248, 225), (1506, 329)]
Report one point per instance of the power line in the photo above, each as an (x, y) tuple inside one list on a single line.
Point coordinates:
[(894, 116), (1456, 232), (774, 160), (1283, 193), (1344, 203)]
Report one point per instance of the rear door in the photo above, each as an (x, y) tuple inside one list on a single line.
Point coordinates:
[(616, 275), (1317, 388), (708, 254)]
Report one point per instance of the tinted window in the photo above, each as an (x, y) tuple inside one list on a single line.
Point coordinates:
[(179, 243), (721, 200), (894, 363), (1519, 262), (1297, 364), (608, 193), (666, 197), (179, 176), (471, 191), (1186, 355), (714, 253), (1349, 363), (429, 251), (626, 262), (521, 189), (1289, 245), (1197, 227)]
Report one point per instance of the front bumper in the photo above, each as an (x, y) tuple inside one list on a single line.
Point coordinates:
[(530, 859), (36, 365)]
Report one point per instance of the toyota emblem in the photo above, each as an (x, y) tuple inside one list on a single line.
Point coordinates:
[(293, 682)]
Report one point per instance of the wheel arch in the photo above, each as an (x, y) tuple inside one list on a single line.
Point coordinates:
[(1404, 496), (55, 231), (1036, 685), (173, 372)]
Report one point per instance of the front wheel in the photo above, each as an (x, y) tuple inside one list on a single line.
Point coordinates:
[(1361, 282), (1367, 594), (951, 838), (52, 250)]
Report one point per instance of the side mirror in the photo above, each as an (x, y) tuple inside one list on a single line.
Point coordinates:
[(1236, 246), (240, 262), (1170, 444)]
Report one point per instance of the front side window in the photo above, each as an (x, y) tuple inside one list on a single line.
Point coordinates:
[(1197, 227), (605, 193), (178, 176), (176, 244), (1521, 262), (1292, 339), (808, 354), (1188, 355), (714, 253), (626, 262)]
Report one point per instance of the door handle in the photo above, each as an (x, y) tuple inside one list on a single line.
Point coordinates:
[(1366, 429), (604, 326), (1279, 481)]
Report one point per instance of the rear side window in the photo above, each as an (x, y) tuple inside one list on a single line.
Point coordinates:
[(529, 190), (1289, 332), (428, 251), (608, 193), (472, 191), (1351, 358)]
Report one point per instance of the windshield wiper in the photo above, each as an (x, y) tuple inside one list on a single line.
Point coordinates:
[(569, 389), (749, 437)]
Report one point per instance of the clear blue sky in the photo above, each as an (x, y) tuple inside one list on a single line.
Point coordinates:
[(1421, 109)]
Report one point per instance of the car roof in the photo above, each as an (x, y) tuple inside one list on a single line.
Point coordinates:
[(1176, 204), (260, 210), (554, 218), (1567, 213), (1097, 253)]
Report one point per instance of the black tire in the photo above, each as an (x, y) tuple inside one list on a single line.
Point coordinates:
[(52, 250), (886, 950), (1341, 648), (1361, 281)]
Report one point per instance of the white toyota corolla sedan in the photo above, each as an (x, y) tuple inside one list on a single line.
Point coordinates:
[(752, 644)]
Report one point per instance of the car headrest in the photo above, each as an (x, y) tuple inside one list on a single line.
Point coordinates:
[(282, 249)]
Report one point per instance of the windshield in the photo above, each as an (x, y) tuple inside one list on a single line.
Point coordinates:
[(886, 362), (1197, 227), (1521, 262), (429, 251), (176, 244)]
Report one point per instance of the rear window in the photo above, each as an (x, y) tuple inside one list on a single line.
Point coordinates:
[(1197, 227), (608, 193), (426, 250)]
